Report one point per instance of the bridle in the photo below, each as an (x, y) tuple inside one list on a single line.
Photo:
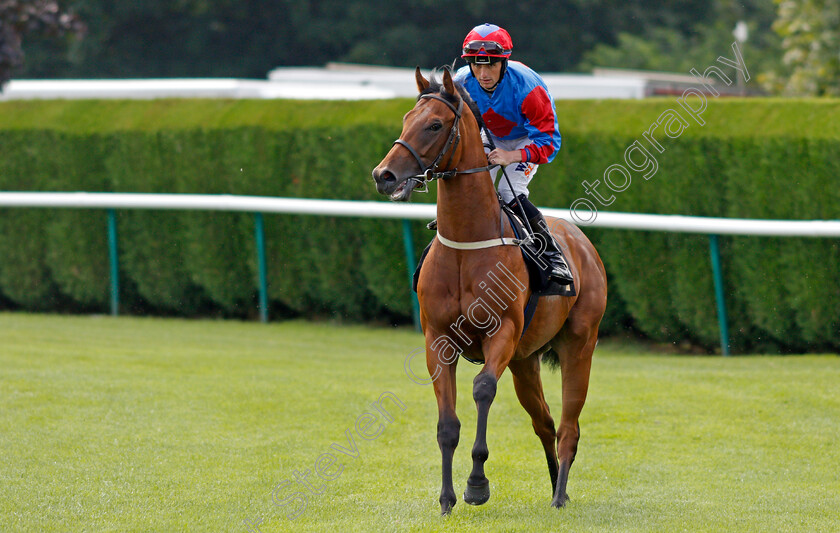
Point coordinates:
[(430, 172)]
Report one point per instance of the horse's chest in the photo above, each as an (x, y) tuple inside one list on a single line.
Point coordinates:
[(442, 301), (466, 309), (469, 294)]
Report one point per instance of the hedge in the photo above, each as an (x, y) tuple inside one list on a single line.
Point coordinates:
[(751, 159)]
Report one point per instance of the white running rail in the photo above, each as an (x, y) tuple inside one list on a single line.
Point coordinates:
[(347, 208), (713, 227)]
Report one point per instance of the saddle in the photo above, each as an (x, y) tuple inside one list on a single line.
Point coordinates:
[(541, 285)]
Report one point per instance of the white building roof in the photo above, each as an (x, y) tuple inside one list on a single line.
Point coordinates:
[(333, 82), (185, 88), (400, 81)]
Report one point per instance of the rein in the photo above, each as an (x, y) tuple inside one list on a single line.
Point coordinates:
[(430, 173)]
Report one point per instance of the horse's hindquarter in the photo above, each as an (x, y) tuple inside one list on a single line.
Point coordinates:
[(583, 311), (584, 260)]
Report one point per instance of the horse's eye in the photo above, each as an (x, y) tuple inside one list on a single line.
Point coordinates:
[(436, 126)]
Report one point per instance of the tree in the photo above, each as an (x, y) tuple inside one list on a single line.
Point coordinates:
[(810, 31), (23, 17), (247, 38), (669, 48)]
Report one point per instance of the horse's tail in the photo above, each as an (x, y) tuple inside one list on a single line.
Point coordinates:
[(552, 359)]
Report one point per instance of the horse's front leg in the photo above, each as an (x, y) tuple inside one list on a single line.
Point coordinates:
[(498, 351), (448, 428)]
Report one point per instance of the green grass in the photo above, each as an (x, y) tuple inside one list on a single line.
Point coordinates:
[(169, 425)]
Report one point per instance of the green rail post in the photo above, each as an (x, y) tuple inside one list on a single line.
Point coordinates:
[(259, 234), (408, 241), (717, 271), (114, 259)]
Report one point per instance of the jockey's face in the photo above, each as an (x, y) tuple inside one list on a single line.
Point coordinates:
[(487, 74)]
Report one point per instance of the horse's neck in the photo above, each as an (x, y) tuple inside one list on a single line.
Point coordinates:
[(467, 204)]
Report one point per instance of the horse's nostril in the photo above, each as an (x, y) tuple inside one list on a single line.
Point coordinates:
[(387, 175)]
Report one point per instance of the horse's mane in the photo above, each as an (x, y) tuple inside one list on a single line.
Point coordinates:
[(436, 87)]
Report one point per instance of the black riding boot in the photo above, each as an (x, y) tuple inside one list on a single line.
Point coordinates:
[(559, 268)]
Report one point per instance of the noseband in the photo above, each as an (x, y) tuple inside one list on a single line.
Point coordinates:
[(429, 172)]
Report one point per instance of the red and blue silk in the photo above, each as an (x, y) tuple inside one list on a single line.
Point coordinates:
[(520, 106)]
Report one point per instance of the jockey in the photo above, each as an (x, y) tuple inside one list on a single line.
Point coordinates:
[(519, 113)]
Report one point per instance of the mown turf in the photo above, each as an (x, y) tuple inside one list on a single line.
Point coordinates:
[(169, 425)]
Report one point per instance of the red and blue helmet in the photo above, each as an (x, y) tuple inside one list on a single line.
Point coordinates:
[(485, 42)]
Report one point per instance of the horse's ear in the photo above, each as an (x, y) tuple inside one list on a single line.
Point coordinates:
[(422, 83), (448, 84)]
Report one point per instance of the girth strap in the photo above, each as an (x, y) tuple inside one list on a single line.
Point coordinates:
[(477, 245)]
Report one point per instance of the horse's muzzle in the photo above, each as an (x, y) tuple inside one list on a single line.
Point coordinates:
[(398, 190), (385, 180)]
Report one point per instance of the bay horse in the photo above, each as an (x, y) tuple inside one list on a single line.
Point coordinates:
[(473, 289)]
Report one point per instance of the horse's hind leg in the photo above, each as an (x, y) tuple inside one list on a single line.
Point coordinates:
[(574, 345), (529, 390)]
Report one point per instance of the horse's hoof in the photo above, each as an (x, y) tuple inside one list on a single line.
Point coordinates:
[(560, 502), (477, 494), (446, 505)]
